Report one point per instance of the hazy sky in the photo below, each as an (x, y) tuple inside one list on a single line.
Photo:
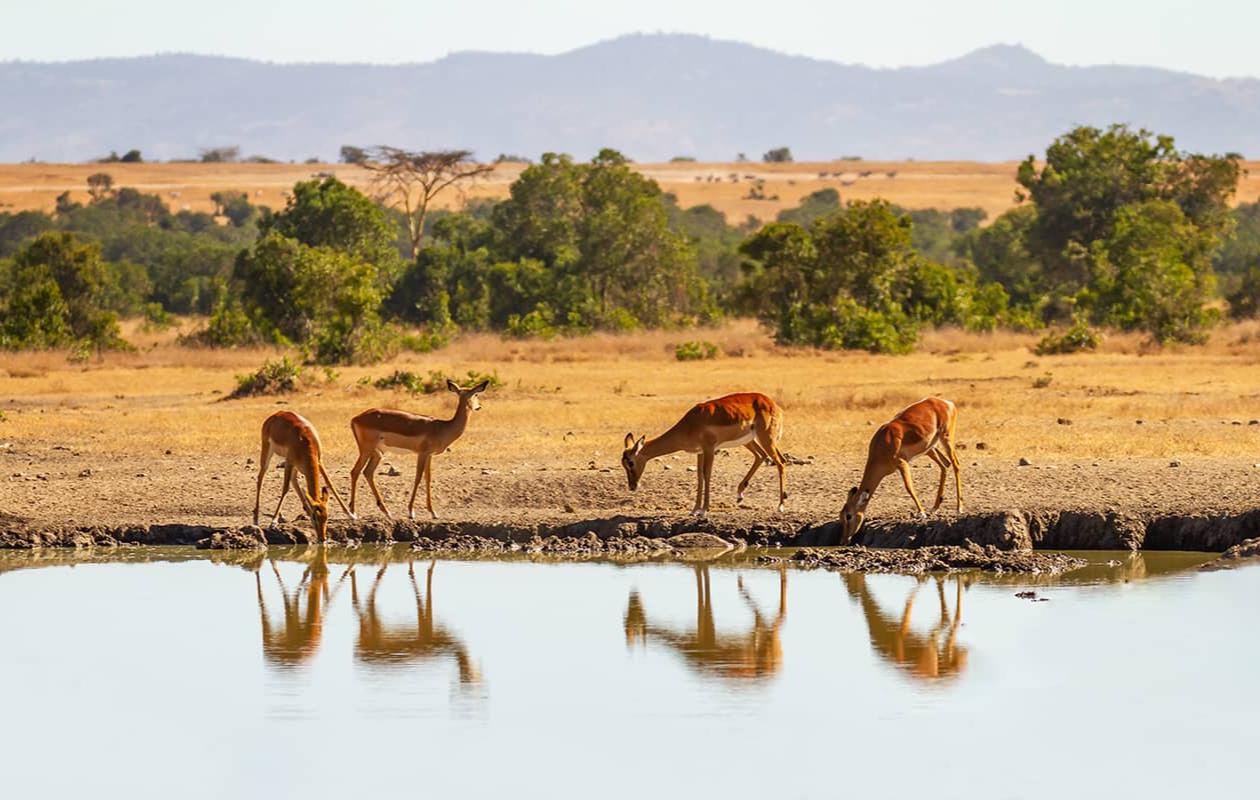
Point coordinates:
[(1211, 37)]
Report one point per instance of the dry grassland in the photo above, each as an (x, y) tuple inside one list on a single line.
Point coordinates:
[(162, 444), (726, 186)]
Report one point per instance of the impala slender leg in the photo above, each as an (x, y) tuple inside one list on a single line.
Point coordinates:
[(428, 486), (771, 449), (939, 460), (759, 455), (264, 461), (708, 476), (699, 483), (422, 461), (288, 478), (370, 473), (355, 472), (903, 467), (953, 460)]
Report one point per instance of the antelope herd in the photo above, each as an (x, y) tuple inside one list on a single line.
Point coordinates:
[(750, 420)]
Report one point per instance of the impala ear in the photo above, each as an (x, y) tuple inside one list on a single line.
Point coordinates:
[(481, 387), (639, 444), (324, 495), (452, 386), (629, 440), (864, 497), (852, 491)]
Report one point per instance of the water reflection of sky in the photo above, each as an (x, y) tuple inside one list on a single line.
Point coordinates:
[(489, 678)]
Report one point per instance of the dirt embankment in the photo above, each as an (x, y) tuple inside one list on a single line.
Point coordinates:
[(1008, 531)]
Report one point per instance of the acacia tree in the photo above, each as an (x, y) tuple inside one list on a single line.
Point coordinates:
[(100, 184), (409, 181)]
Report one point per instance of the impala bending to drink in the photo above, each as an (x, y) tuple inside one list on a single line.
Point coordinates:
[(925, 427), (749, 420), (294, 439), (379, 429)]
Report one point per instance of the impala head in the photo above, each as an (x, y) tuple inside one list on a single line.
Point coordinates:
[(854, 512), (631, 461), (468, 395), (318, 509)]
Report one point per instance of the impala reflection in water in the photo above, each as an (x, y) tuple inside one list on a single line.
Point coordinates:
[(295, 640), (397, 645), (931, 656), (359, 662), (752, 653)]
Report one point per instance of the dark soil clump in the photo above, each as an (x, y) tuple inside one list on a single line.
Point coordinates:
[(1235, 556), (932, 558)]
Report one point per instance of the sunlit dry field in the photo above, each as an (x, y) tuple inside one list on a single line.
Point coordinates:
[(727, 186), (149, 437)]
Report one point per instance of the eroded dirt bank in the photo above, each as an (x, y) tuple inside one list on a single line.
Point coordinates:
[(1008, 531)]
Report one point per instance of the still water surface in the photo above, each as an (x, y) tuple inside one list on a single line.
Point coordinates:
[(365, 674)]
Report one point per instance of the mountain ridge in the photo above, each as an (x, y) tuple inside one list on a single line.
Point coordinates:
[(653, 96)]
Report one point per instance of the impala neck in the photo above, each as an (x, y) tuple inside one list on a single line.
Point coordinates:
[(456, 424), (662, 445)]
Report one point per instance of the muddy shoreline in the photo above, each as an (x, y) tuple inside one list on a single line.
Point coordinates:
[(1009, 531)]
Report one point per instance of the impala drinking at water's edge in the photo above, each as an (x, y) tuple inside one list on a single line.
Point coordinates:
[(749, 419)]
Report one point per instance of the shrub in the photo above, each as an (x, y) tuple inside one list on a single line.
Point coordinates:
[(424, 342), (695, 351), (1075, 339), (157, 318), (280, 376), (434, 382)]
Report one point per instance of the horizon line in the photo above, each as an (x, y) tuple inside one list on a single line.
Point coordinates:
[(1016, 46)]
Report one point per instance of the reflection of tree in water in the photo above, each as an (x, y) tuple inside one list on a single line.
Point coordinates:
[(381, 643), (298, 637), (755, 653), (922, 655)]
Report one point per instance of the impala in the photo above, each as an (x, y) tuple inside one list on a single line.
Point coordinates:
[(294, 439), (750, 419), (379, 429), (925, 427)]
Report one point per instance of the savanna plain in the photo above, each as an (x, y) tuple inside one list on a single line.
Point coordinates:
[(149, 436)]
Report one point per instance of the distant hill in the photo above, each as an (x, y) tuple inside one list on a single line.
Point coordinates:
[(651, 96)]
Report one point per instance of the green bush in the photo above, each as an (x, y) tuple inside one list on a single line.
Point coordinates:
[(424, 342), (1080, 337), (157, 318), (435, 381), (280, 376), (695, 351)]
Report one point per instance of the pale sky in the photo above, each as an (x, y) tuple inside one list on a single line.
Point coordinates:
[(1210, 37)]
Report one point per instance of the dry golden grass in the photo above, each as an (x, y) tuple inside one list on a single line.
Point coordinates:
[(571, 401), (915, 184)]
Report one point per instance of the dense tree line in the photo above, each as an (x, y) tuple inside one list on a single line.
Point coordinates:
[(1116, 228)]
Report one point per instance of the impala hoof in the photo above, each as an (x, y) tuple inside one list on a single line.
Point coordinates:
[(434, 513), (782, 508), (922, 515)]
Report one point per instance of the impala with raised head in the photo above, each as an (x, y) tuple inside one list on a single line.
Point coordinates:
[(748, 420), (926, 427), (379, 429), (292, 437)]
